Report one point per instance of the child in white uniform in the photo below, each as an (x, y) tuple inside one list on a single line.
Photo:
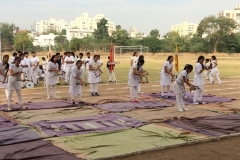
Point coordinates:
[(44, 64), (34, 69), (94, 74), (69, 61), (133, 60), (166, 75), (50, 78), (101, 64), (199, 80), (4, 67), (15, 71), (214, 71), (179, 87), (135, 78), (76, 80), (87, 60), (208, 69), (110, 68), (13, 58)]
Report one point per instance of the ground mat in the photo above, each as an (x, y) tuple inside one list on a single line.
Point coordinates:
[(16, 134), (189, 100), (128, 106), (35, 150), (213, 126), (98, 123), (6, 123), (169, 113), (27, 117), (108, 144)]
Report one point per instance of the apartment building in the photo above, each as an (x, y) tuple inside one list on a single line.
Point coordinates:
[(51, 24), (185, 28)]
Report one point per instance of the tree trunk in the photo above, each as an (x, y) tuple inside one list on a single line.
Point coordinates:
[(215, 47)]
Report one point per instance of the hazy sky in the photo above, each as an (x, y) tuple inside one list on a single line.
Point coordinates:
[(142, 14)]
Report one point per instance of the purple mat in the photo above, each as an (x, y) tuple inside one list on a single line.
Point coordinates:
[(6, 123), (129, 106), (98, 123), (189, 100), (213, 126), (35, 150), (16, 134), (39, 105)]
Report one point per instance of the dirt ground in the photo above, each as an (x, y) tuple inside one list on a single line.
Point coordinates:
[(225, 149)]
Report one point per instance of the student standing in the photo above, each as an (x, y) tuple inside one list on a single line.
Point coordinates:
[(199, 80), (101, 64), (15, 71), (87, 61), (13, 58), (94, 74), (179, 87), (69, 61), (166, 75), (50, 78), (34, 69), (135, 78), (111, 75), (59, 62), (44, 64), (76, 80), (214, 71), (208, 68), (4, 67), (27, 66)]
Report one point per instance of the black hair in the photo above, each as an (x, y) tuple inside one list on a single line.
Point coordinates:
[(169, 57), (99, 56), (88, 53), (108, 57), (79, 61), (14, 54), (17, 58), (52, 58), (207, 60), (41, 67), (65, 53), (95, 56), (140, 57), (214, 58), (7, 64), (199, 58), (33, 52), (73, 54), (43, 58), (134, 53), (25, 53), (57, 54), (81, 54), (19, 51), (188, 66), (21, 54), (138, 63)]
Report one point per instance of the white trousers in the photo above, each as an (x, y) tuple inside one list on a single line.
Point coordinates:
[(57, 78), (133, 92), (162, 90), (67, 74), (34, 75), (198, 95), (211, 78), (94, 87), (79, 97), (10, 92), (207, 73), (6, 92), (179, 100), (53, 90), (111, 76)]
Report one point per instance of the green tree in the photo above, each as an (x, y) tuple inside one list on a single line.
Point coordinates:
[(118, 27), (171, 39), (7, 35), (155, 33), (120, 37), (102, 30), (23, 41), (75, 44), (62, 42), (64, 32), (153, 43), (51, 31), (216, 29), (229, 44)]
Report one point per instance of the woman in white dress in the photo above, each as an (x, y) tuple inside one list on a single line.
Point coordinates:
[(44, 64), (208, 69), (50, 79), (166, 75), (133, 60), (94, 74), (34, 65), (214, 71), (15, 71), (179, 87), (199, 80), (135, 78), (76, 81), (4, 67)]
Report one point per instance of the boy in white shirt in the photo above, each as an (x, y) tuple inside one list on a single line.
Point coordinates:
[(68, 60)]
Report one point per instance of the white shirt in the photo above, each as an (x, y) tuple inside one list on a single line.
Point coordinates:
[(15, 69), (198, 68), (101, 63), (168, 65), (12, 60), (94, 64), (34, 61), (44, 65), (75, 72), (214, 64), (83, 61), (87, 64), (181, 75), (51, 65), (134, 59), (140, 68), (71, 58)]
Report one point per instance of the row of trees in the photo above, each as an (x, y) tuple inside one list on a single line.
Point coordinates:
[(213, 35)]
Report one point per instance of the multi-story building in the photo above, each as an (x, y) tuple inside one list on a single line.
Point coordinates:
[(51, 24), (78, 33), (44, 40), (185, 28), (133, 32), (85, 23), (233, 14)]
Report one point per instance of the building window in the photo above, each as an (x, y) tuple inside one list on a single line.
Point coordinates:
[(228, 14)]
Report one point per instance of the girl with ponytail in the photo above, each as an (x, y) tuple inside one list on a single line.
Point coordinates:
[(214, 71)]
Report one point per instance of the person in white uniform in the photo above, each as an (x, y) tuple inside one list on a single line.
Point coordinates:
[(26, 65), (76, 81), (50, 79), (199, 80), (13, 57), (101, 64), (133, 60), (44, 64), (179, 88), (166, 75), (214, 71), (87, 61), (94, 74), (4, 67), (34, 65), (135, 78), (208, 68), (69, 61), (82, 59), (15, 71), (110, 68)]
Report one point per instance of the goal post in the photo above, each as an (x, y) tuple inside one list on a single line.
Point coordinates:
[(142, 50)]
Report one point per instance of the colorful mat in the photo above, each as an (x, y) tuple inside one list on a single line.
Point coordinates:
[(102, 145), (89, 124), (213, 126), (6, 123), (129, 106), (35, 150)]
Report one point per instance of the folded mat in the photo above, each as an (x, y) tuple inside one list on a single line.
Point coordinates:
[(97, 123), (108, 144), (189, 100), (6, 123), (129, 106), (213, 126), (35, 150), (17, 134), (162, 114), (52, 114)]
